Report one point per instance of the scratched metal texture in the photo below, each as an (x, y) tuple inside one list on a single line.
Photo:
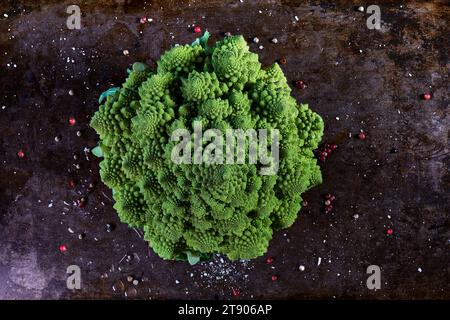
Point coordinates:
[(358, 79)]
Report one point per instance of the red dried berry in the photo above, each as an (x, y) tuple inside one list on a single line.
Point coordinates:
[(63, 248), (72, 183), (300, 84), (72, 121), (390, 231), (269, 260), (197, 29), (81, 203), (143, 20), (236, 293), (283, 60), (20, 154), (333, 146), (361, 136), (274, 278), (426, 96)]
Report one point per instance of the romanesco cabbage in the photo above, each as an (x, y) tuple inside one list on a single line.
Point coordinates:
[(196, 209)]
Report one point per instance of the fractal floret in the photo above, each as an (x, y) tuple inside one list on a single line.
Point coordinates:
[(194, 209)]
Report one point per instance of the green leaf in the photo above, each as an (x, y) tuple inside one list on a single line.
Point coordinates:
[(192, 258), (140, 67), (203, 40), (181, 257), (109, 92), (97, 151)]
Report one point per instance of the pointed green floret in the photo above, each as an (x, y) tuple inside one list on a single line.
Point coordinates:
[(200, 86), (194, 209)]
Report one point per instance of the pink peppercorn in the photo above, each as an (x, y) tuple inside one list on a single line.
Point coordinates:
[(427, 96), (300, 84), (361, 136)]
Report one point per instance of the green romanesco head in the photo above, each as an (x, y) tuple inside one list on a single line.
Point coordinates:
[(201, 208)]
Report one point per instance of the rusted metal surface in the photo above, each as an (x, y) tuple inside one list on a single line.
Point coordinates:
[(358, 79)]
